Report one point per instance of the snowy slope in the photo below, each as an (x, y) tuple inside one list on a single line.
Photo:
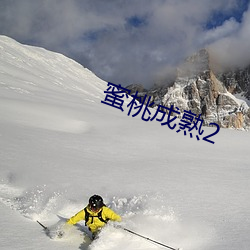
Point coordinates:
[(60, 144)]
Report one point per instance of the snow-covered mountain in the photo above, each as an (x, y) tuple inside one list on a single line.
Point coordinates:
[(59, 145), (219, 97)]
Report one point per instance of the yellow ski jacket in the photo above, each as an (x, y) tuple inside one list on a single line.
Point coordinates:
[(94, 223)]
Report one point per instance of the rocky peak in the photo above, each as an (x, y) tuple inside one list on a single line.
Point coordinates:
[(199, 89), (197, 64)]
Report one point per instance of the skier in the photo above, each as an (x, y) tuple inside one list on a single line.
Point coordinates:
[(95, 214)]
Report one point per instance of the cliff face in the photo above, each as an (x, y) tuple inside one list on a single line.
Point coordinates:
[(199, 89), (237, 81)]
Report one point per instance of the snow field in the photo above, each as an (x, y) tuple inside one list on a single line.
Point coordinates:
[(60, 145)]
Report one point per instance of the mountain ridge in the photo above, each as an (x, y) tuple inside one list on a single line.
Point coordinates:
[(199, 88)]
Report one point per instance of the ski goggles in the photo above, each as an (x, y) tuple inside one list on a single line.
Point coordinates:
[(94, 208)]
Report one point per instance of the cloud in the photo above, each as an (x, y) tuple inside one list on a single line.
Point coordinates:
[(228, 28), (124, 41), (233, 49)]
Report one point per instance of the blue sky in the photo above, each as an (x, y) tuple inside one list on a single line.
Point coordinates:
[(218, 17), (131, 41)]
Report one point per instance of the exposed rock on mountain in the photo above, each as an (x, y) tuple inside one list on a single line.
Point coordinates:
[(237, 81), (199, 89)]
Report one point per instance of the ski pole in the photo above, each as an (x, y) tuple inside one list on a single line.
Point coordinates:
[(146, 238), (45, 228)]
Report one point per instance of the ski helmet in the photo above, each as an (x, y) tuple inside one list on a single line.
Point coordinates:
[(95, 202)]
